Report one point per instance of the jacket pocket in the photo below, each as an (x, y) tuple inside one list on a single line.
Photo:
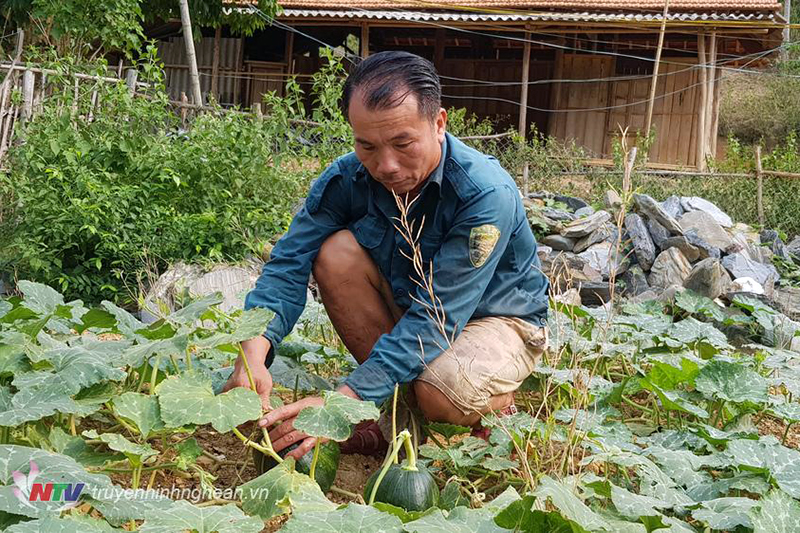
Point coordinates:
[(369, 231)]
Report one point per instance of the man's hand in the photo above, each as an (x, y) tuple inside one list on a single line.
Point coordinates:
[(285, 435), (255, 350)]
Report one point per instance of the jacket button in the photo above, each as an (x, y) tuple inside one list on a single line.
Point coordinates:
[(399, 293), (449, 165)]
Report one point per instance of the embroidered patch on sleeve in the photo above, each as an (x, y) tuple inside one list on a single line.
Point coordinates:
[(482, 240)]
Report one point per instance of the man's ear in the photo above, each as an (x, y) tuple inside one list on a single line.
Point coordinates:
[(441, 124)]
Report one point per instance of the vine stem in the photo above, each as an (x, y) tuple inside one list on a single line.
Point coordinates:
[(264, 432), (347, 493), (314, 460), (154, 376), (785, 434), (405, 438), (253, 444), (394, 415)]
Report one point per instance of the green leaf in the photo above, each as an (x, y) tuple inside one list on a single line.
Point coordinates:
[(635, 506), (459, 520), (499, 464), (291, 374), (68, 524), (726, 513), (127, 324), (141, 409), (521, 516), (767, 454), (188, 452), (451, 496), (353, 518), (183, 516), (402, 514), (570, 505), (270, 494), (251, 323), (334, 419), (136, 453), (789, 412), (697, 304), (34, 404), (776, 513), (673, 400), (75, 447), (668, 377), (96, 318), (448, 431), (75, 368), (732, 382), (691, 331), (39, 298), (189, 399)]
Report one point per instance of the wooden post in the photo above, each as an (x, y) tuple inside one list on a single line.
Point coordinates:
[(28, 82), (648, 124), (712, 78), (701, 103), (130, 80), (555, 90), (215, 64), (257, 110), (760, 185), (438, 49), (364, 41), (184, 108), (715, 112), (191, 57), (290, 52), (523, 92), (787, 31)]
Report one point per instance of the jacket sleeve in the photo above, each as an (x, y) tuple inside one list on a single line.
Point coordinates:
[(283, 282), (461, 274)]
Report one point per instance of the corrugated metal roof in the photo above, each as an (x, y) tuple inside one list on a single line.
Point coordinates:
[(423, 16), (598, 5)]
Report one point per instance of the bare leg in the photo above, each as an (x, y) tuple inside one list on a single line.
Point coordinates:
[(438, 408)]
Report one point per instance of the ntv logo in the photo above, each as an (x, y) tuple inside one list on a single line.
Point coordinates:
[(27, 491)]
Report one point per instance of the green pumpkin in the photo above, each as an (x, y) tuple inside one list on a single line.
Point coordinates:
[(327, 463), (412, 489)]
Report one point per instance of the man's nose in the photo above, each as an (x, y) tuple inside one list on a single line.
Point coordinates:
[(387, 164)]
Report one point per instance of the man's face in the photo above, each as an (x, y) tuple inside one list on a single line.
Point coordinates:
[(398, 146)]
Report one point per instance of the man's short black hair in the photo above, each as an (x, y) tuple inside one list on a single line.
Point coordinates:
[(386, 78)]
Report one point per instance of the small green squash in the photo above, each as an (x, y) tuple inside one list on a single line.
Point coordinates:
[(327, 463), (412, 489)]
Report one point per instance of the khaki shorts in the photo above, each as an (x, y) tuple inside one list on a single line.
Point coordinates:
[(491, 356)]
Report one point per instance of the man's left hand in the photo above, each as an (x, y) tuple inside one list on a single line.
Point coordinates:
[(284, 435)]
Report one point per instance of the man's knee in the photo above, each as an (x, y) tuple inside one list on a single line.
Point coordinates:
[(436, 407), (337, 256)]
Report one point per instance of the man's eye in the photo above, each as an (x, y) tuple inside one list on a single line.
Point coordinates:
[(403, 146), (367, 148)]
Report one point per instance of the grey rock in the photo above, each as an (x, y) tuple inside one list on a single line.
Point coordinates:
[(695, 203), (612, 200), (706, 250), (605, 233), (565, 268), (669, 268), (746, 285), (603, 258), (668, 294), (646, 296), (771, 238), (643, 246), (741, 267), (571, 201), (653, 210), (709, 278), (558, 214), (787, 301), (569, 297), (758, 253), (584, 226), (557, 242), (794, 246), (658, 233), (707, 228), (749, 234), (595, 294), (672, 205), (634, 282), (584, 211), (690, 251)]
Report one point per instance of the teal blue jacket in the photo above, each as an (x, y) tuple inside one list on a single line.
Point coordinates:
[(475, 233)]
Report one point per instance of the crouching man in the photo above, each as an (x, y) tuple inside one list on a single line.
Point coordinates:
[(489, 289)]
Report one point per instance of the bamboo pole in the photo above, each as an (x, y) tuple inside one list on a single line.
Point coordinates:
[(28, 83), (654, 83), (715, 112), (712, 78), (523, 103), (760, 187), (701, 103), (191, 57), (787, 30), (130, 80), (215, 64), (364, 41)]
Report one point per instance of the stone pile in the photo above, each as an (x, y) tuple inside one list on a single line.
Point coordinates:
[(680, 242)]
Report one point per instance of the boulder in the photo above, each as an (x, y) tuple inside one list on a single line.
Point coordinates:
[(633, 282), (695, 203), (773, 241), (746, 285), (794, 246), (709, 278), (560, 243), (584, 211), (787, 301), (565, 269), (600, 258), (706, 250), (558, 214), (741, 267), (643, 246), (658, 233), (605, 233), (748, 232), (690, 251), (672, 206), (758, 253), (571, 201), (669, 268), (612, 200), (595, 294), (707, 229), (584, 226), (653, 210), (183, 280), (569, 297)]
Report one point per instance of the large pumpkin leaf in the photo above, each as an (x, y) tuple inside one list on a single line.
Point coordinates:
[(459, 520), (173, 345), (251, 323), (353, 518), (635, 506), (127, 324), (136, 453), (34, 404), (674, 400), (521, 516), (68, 524), (732, 382), (40, 299), (271, 493), (141, 409), (726, 513), (75, 368), (697, 304), (334, 420), (768, 454), (189, 399), (790, 412), (76, 447), (570, 505), (690, 331), (183, 516), (291, 374), (776, 513)]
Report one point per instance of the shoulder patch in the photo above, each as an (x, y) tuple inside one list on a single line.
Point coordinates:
[(482, 240)]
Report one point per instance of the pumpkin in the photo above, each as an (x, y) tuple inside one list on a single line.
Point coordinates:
[(412, 489), (327, 463)]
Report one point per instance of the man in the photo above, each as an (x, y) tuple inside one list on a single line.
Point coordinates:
[(486, 275)]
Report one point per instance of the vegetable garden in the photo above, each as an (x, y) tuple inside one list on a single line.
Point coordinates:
[(651, 417)]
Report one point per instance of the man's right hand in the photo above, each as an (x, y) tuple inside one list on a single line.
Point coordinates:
[(255, 350)]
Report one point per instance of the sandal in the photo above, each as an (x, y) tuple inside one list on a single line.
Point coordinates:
[(367, 439)]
